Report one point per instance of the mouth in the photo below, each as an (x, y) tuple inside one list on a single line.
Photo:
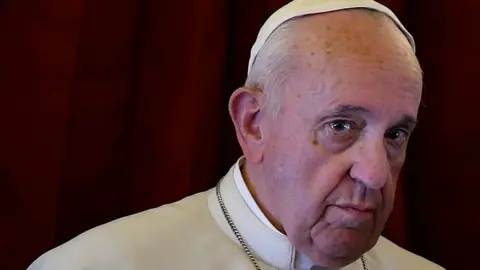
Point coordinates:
[(356, 207), (359, 213)]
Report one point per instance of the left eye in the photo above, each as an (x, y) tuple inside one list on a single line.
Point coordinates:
[(399, 136)]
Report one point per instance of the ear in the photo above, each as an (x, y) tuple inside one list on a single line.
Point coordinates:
[(245, 110)]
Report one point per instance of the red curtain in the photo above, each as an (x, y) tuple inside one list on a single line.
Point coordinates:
[(110, 107), (442, 180)]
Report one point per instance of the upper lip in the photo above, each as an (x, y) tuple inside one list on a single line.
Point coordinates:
[(358, 207)]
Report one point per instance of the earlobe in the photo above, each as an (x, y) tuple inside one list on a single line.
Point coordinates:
[(245, 111)]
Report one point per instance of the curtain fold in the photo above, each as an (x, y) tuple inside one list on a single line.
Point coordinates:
[(38, 50), (442, 178), (98, 129)]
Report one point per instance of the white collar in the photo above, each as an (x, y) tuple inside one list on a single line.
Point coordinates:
[(268, 246), (300, 260), (247, 196), (264, 240)]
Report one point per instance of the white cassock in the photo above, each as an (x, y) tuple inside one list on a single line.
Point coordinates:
[(193, 234)]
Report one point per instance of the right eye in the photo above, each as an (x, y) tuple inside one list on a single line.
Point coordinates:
[(336, 135), (342, 127)]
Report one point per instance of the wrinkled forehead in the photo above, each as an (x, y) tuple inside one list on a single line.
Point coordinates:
[(380, 85), (354, 59), (380, 102)]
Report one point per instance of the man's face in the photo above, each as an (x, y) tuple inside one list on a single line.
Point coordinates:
[(333, 155)]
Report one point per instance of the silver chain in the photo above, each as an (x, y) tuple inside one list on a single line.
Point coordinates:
[(240, 238), (234, 229)]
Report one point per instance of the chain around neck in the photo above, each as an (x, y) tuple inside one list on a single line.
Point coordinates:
[(239, 237)]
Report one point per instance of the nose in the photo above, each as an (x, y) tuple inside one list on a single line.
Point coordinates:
[(371, 165)]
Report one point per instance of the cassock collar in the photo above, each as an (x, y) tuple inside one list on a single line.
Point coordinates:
[(265, 242), (300, 261)]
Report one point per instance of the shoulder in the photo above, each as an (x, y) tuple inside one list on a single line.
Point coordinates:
[(390, 256), (115, 245)]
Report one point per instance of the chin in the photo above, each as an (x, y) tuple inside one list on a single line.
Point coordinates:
[(335, 260), (342, 250)]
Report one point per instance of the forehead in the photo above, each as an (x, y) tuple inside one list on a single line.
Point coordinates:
[(385, 100), (388, 93), (353, 59)]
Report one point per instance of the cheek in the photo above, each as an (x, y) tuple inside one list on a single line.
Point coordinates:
[(321, 176), (390, 188), (388, 196), (396, 168), (391, 185), (330, 170)]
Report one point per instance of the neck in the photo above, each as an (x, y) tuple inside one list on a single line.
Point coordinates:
[(256, 189)]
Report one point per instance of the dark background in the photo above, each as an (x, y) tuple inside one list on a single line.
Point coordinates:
[(109, 107)]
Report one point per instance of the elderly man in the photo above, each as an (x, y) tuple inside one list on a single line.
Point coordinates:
[(324, 118)]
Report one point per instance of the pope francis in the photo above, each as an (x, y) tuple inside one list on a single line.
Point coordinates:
[(324, 117)]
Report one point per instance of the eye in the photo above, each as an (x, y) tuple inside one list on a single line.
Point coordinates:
[(342, 127), (398, 135)]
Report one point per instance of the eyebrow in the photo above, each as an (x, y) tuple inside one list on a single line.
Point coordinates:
[(348, 109), (345, 110), (409, 121), (342, 111)]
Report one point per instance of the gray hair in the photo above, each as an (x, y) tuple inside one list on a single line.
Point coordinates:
[(271, 67)]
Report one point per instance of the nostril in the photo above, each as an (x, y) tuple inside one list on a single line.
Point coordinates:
[(369, 176)]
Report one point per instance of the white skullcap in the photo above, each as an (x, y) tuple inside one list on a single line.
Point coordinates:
[(297, 8)]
